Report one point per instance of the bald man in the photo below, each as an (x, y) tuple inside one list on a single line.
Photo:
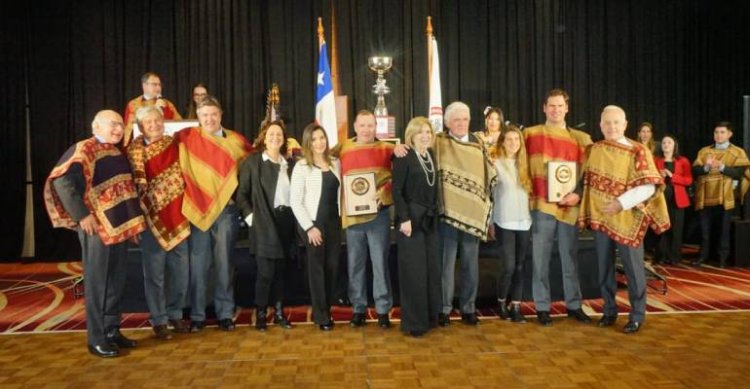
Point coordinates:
[(622, 196), (91, 191)]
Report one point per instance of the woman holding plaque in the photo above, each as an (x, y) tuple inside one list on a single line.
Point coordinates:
[(263, 198), (315, 192), (415, 195), (512, 220), (494, 125), (677, 174)]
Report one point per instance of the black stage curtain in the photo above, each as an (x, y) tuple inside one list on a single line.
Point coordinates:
[(12, 128), (677, 63)]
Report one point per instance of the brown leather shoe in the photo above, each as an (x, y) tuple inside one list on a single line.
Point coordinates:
[(162, 332), (179, 326)]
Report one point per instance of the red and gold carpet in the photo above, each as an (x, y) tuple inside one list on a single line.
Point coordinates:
[(39, 297)]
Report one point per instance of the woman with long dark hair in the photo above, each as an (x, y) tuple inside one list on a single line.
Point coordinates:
[(677, 174), (494, 125), (315, 193)]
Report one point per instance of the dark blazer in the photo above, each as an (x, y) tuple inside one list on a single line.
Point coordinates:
[(415, 200), (257, 186), (682, 177)]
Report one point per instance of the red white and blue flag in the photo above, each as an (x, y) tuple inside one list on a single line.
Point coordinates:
[(325, 104)]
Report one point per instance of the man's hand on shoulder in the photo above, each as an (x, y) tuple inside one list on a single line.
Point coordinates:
[(400, 150)]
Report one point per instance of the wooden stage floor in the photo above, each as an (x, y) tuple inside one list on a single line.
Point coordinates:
[(690, 350)]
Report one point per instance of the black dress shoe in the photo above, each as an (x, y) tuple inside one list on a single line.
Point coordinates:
[(580, 316), (282, 321), (162, 332), (179, 326), (543, 318), (117, 338), (470, 319), (444, 320), (104, 350), (631, 327), (502, 310), (326, 327), (417, 334), (197, 325), (383, 321), (607, 321), (358, 320), (226, 325), (515, 314)]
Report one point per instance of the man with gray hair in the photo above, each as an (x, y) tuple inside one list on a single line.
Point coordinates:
[(465, 181), (91, 191), (154, 158), (620, 201)]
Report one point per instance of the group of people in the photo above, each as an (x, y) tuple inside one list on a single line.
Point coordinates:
[(181, 198)]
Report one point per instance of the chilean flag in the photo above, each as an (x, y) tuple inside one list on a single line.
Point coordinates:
[(325, 104)]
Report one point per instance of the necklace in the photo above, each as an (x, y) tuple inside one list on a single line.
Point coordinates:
[(428, 167)]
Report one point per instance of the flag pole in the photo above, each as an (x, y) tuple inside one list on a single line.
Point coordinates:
[(428, 32)]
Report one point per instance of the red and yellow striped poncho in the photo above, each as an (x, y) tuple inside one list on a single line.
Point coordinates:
[(545, 144), (209, 166)]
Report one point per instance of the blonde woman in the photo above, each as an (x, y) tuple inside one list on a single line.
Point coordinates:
[(415, 195), (512, 220)]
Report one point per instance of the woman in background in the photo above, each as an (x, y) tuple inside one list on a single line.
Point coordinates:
[(677, 174), (416, 198), (494, 124), (646, 136), (512, 220), (199, 93), (315, 190)]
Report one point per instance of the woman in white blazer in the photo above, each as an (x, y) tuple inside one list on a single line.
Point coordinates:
[(314, 198)]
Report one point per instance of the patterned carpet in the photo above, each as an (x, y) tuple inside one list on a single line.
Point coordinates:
[(40, 297)]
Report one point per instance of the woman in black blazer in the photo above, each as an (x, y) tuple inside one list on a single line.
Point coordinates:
[(263, 198), (416, 197)]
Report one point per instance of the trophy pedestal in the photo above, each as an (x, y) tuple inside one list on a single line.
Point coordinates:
[(385, 126)]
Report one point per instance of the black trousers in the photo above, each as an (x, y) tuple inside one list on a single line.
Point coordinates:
[(269, 284), (104, 283), (670, 242), (420, 279), (513, 246), (707, 216), (323, 269)]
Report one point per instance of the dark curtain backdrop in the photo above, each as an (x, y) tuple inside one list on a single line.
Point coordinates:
[(679, 64)]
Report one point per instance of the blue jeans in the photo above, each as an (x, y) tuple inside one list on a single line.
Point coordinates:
[(215, 247), (165, 278), (374, 235), (469, 283)]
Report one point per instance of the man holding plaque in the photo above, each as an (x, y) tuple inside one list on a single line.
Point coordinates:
[(366, 173), (151, 84), (555, 153), (620, 201)]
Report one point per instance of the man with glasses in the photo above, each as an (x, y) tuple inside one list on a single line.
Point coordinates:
[(91, 191), (151, 84)]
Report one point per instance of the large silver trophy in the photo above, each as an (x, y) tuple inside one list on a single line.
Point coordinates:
[(380, 65)]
